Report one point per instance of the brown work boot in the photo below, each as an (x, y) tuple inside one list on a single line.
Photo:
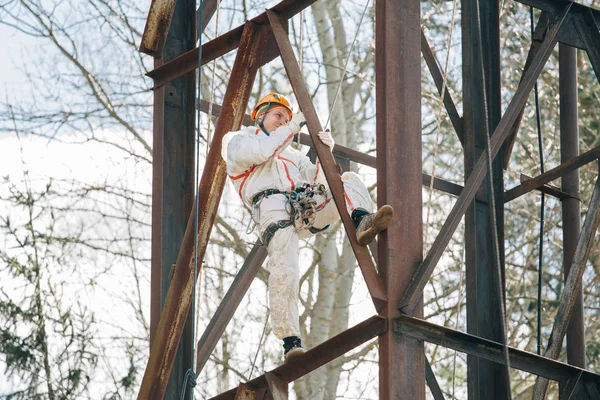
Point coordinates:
[(292, 348), (371, 224)]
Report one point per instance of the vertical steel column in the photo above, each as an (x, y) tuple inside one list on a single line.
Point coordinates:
[(179, 297), (157, 206), (571, 213), (399, 169), (174, 178), (486, 380)]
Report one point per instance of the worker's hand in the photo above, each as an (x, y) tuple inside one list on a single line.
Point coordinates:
[(326, 138), (297, 122)]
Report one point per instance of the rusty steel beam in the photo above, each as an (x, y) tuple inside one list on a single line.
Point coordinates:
[(223, 45), (278, 388), (484, 225), (571, 205), (350, 154), (536, 42), (438, 78), (432, 382), (399, 175), (552, 190), (321, 354), (179, 297), (209, 9), (412, 295), (158, 153), (246, 392), (228, 305), (555, 6), (587, 26), (488, 349), (367, 266), (572, 286), (157, 27), (554, 173)]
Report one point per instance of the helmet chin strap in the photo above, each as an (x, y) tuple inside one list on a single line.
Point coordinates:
[(260, 124)]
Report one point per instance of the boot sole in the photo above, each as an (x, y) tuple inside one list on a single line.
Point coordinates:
[(381, 221), (294, 353)]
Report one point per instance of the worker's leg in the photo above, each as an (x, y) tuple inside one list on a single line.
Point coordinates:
[(356, 195), (283, 268), (359, 206), (284, 280)]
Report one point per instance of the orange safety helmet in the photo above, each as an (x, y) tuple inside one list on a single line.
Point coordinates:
[(269, 101)]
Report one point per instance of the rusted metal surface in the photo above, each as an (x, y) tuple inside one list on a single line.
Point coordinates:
[(432, 382), (412, 295), (555, 6), (367, 267), (223, 45), (157, 208), (228, 305), (178, 177), (157, 26), (572, 287), (246, 392), (536, 42), (398, 126), (209, 9), (554, 173), (277, 387), (321, 354), (551, 189), (587, 26), (571, 206), (488, 349), (179, 297), (438, 78), (484, 225)]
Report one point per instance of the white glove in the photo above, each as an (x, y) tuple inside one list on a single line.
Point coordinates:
[(326, 138), (297, 122)]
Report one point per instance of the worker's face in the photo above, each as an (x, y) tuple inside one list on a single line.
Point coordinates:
[(275, 118)]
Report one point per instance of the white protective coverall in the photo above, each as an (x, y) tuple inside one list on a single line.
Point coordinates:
[(256, 162)]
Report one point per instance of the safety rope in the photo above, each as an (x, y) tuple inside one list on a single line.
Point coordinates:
[(259, 345), (437, 119), (493, 205), (346, 65), (190, 375), (337, 91), (542, 205), (212, 90), (301, 58)]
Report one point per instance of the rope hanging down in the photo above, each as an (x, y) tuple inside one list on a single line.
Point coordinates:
[(190, 375), (342, 77)]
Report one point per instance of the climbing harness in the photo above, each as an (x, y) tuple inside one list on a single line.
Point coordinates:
[(302, 207)]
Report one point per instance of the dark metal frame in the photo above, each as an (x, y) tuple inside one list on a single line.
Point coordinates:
[(396, 288)]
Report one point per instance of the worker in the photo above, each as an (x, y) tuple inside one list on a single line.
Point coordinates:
[(290, 200)]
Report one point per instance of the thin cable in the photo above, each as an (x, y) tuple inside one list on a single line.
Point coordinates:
[(437, 120), (212, 90), (301, 49), (493, 204), (301, 57), (542, 205), (259, 345), (190, 375), (346, 65)]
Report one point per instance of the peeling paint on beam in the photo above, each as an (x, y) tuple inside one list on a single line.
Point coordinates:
[(157, 26)]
